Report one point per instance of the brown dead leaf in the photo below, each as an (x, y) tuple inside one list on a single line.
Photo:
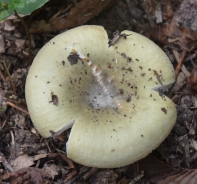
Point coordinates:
[(61, 137), (22, 162), (157, 12), (52, 169), (9, 23), (158, 172), (104, 176), (186, 14), (28, 176), (172, 32), (38, 157), (182, 34), (81, 13), (25, 161), (20, 43)]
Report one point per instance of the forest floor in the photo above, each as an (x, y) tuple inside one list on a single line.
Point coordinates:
[(26, 157)]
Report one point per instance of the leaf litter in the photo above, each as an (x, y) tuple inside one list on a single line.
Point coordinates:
[(171, 24)]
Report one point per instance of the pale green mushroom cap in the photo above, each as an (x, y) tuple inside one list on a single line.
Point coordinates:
[(118, 116)]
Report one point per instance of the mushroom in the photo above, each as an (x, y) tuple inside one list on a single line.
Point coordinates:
[(110, 94)]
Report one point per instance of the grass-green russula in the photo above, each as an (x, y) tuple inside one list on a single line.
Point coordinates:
[(111, 94)]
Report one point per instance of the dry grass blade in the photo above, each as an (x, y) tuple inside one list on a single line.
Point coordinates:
[(18, 108), (10, 78), (5, 163)]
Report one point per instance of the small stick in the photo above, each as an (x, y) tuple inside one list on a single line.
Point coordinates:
[(184, 70), (193, 107), (90, 173), (65, 158), (13, 139), (176, 55), (48, 145), (135, 180), (4, 123), (18, 108), (178, 67), (71, 165), (10, 78), (183, 93), (5, 163), (191, 57)]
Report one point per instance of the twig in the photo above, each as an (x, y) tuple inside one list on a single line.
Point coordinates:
[(184, 70), (183, 93), (5, 163), (10, 78), (48, 145), (177, 57), (18, 108), (27, 33), (193, 107), (90, 173), (65, 158), (4, 123), (136, 169), (71, 166), (176, 54), (13, 148), (13, 139), (178, 67), (191, 57), (137, 178)]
